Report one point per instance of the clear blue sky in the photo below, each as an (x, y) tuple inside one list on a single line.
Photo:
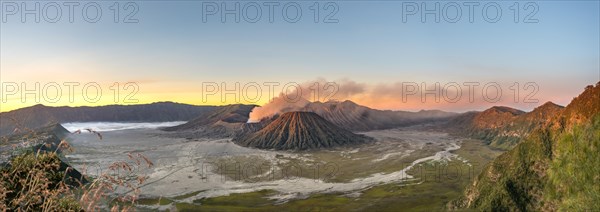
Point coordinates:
[(370, 44)]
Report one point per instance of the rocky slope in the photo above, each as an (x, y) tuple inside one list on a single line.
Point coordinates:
[(230, 121), (502, 127), (355, 117), (44, 138), (300, 131), (223, 122), (39, 115), (556, 167)]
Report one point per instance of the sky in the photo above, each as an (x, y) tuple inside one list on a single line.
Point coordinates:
[(374, 51)]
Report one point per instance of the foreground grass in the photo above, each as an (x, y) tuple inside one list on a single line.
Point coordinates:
[(37, 182)]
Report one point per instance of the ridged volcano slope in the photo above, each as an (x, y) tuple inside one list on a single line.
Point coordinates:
[(300, 131)]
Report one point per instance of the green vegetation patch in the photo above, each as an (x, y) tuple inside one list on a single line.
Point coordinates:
[(551, 170)]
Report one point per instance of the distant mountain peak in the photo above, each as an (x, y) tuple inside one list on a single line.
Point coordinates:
[(550, 103), (548, 106), (348, 102), (505, 109)]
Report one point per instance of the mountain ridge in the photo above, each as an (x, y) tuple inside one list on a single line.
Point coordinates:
[(502, 126), (556, 167), (40, 115), (222, 122), (354, 117)]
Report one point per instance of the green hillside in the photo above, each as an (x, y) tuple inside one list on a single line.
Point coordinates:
[(555, 168)]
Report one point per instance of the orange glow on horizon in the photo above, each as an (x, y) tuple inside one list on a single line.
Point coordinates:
[(151, 91)]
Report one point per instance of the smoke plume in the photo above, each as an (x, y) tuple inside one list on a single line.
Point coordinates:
[(304, 93)]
